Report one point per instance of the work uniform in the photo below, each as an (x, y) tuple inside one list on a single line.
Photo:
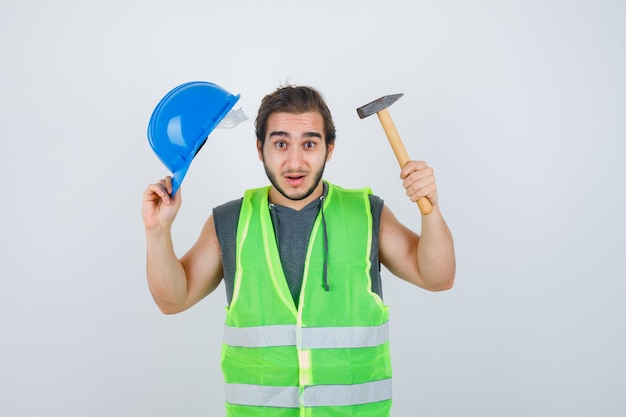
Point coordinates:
[(327, 354)]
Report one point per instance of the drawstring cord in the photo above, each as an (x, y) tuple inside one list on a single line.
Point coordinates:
[(325, 276)]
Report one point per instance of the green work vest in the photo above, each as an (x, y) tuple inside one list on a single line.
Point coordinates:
[(330, 356)]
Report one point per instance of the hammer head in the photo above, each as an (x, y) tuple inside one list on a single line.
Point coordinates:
[(377, 105)]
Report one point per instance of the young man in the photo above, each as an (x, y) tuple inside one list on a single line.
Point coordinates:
[(306, 329)]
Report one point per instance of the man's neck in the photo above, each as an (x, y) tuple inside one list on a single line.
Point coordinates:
[(275, 197)]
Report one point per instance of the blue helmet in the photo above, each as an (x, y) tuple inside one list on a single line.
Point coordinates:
[(182, 121)]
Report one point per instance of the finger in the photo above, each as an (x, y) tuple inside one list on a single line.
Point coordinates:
[(410, 167), (176, 198), (158, 191), (425, 189), (169, 184), (428, 190), (422, 176), (417, 187)]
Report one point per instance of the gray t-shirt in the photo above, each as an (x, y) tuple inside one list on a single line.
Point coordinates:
[(292, 229)]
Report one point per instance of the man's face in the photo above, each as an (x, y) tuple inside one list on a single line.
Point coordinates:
[(294, 156)]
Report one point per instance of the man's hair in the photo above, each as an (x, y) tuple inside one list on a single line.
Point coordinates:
[(294, 100)]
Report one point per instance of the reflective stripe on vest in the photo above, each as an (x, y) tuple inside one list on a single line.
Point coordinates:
[(313, 396), (263, 395), (307, 337)]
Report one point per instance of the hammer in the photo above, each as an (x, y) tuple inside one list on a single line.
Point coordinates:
[(379, 107)]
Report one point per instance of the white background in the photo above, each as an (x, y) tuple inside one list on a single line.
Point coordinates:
[(520, 106)]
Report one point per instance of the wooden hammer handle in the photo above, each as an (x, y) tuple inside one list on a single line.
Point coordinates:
[(401, 154)]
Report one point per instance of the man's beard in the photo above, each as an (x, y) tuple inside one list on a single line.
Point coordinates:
[(307, 193)]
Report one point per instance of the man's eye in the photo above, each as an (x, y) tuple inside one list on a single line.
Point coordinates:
[(309, 145), (280, 144)]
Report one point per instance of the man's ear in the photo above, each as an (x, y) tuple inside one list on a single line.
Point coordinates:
[(259, 148), (329, 151)]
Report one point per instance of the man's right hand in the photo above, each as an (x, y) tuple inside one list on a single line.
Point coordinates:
[(177, 284), (159, 208)]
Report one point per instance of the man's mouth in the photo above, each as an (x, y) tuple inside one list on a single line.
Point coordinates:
[(295, 180)]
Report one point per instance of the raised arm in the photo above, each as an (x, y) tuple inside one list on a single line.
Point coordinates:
[(177, 284), (426, 260)]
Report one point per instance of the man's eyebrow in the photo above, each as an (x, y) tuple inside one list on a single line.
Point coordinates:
[(284, 134), (313, 135), (279, 133)]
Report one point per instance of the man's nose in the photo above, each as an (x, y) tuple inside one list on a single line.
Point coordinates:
[(295, 156)]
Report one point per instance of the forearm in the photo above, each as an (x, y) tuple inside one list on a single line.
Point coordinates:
[(435, 252), (166, 275)]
